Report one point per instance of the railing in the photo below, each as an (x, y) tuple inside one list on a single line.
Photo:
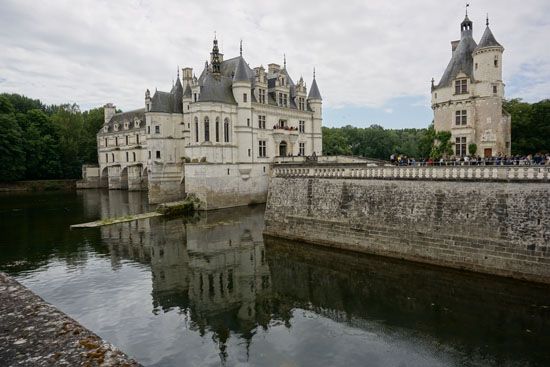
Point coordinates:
[(444, 173)]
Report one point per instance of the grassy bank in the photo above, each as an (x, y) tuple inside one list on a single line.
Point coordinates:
[(38, 185)]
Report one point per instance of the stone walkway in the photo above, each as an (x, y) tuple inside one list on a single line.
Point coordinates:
[(34, 333)]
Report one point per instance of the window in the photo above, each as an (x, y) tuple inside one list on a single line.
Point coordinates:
[(249, 152), (461, 117), (247, 122), (157, 129), (158, 154), (194, 97), (206, 129), (196, 130), (282, 123), (262, 148), (301, 103), (148, 129), (116, 141), (149, 154), (261, 121), (137, 139), (461, 86), (495, 89), (460, 146), (261, 94), (476, 65), (280, 99), (226, 130), (245, 98), (134, 156), (105, 141), (285, 100), (302, 126), (106, 157), (127, 159), (302, 149), (217, 129), (126, 139), (496, 62), (112, 157)]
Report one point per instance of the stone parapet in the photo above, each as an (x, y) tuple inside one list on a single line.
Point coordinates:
[(442, 173)]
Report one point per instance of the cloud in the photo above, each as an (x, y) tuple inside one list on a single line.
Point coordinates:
[(365, 53)]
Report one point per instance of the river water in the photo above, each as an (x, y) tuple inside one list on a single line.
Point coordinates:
[(212, 291)]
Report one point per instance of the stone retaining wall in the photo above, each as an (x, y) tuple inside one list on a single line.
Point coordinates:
[(492, 227), (34, 333)]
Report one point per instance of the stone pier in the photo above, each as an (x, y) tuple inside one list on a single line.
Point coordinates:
[(34, 333)]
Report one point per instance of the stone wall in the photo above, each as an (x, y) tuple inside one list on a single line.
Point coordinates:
[(227, 185), (476, 224)]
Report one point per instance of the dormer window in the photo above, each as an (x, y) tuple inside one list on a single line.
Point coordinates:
[(105, 129), (137, 123), (461, 86), (116, 126), (126, 125)]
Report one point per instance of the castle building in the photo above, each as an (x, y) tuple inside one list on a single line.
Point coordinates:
[(213, 136), (467, 101)]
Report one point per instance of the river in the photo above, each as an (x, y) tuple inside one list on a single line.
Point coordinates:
[(211, 290)]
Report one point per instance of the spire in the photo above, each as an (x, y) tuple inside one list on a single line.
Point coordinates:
[(215, 56), (467, 5), (284, 61), (488, 39), (487, 20), (314, 90), (466, 27), (241, 48)]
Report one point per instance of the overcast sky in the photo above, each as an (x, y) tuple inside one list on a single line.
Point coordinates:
[(374, 59)]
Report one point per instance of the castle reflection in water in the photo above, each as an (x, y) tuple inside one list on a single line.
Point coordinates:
[(220, 272)]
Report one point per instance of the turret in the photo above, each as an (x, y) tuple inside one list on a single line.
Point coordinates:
[(315, 102), (109, 111), (488, 60), (216, 58), (148, 101), (241, 84)]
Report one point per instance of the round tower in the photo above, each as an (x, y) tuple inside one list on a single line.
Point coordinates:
[(315, 102), (488, 60)]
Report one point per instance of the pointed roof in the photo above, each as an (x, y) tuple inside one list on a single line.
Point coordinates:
[(488, 40), (187, 93), (241, 74), (314, 91), (461, 61)]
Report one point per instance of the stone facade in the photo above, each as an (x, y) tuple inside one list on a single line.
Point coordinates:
[(230, 115), (493, 227), (468, 99)]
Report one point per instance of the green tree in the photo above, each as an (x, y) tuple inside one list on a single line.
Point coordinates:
[(12, 156), (69, 125)]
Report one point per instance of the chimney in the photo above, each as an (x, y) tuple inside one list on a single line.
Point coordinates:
[(273, 68), (454, 44), (187, 76), (109, 111)]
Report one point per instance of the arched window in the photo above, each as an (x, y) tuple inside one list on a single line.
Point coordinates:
[(217, 129), (206, 129), (134, 154), (196, 129), (112, 157), (226, 130)]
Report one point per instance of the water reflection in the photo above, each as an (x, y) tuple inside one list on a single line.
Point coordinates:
[(213, 291)]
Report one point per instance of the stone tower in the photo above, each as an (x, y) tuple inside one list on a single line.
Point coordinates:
[(467, 101)]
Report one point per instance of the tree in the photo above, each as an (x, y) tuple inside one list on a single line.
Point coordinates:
[(12, 156), (442, 147), (68, 123), (472, 148)]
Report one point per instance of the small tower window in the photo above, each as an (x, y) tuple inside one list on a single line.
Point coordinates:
[(495, 89), (196, 130), (496, 62), (461, 117), (461, 86), (245, 97), (476, 65), (206, 129)]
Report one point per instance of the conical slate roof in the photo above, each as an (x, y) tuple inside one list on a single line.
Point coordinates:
[(241, 74), (314, 91), (461, 61), (488, 40)]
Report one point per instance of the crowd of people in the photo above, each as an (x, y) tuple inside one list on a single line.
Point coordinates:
[(538, 159)]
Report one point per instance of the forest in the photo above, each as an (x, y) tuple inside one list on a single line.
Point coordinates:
[(39, 141)]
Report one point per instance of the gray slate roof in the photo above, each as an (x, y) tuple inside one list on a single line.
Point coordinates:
[(461, 61), (314, 91), (241, 74), (162, 102), (216, 88), (488, 40), (129, 116)]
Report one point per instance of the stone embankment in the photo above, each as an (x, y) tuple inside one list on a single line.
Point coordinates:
[(38, 185), (34, 333), (494, 220)]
